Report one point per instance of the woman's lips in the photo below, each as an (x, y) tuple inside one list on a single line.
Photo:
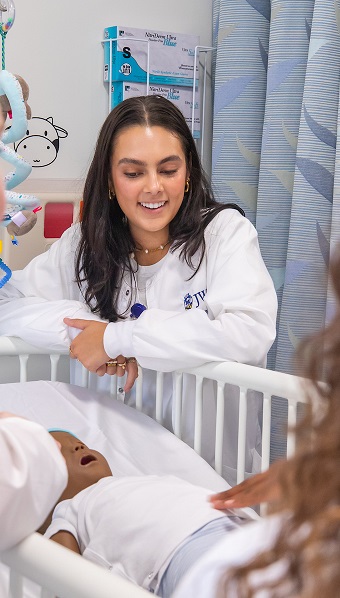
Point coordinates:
[(153, 206)]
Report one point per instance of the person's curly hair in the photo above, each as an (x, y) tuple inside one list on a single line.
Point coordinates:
[(310, 484)]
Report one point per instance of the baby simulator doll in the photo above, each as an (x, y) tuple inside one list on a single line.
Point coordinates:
[(149, 529)]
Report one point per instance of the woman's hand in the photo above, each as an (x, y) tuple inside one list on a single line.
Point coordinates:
[(88, 346), (261, 487), (119, 366)]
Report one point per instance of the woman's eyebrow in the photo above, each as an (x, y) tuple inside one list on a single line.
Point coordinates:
[(173, 158), (131, 161)]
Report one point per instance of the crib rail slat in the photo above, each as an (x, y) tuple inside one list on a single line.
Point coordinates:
[(85, 376), (220, 410), (159, 397), (178, 404), (16, 586), (23, 360), (292, 419), (113, 386), (198, 415), (54, 359), (139, 390), (266, 417), (242, 429)]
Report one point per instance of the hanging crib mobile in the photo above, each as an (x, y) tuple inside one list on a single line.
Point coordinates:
[(20, 213)]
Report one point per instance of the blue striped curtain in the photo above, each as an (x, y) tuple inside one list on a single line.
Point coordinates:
[(276, 105)]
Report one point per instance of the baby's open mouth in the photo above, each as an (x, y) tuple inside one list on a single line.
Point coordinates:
[(87, 459)]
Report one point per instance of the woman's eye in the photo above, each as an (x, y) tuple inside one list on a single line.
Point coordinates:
[(132, 175), (169, 172)]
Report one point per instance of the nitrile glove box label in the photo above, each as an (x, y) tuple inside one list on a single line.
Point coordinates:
[(182, 97), (171, 56)]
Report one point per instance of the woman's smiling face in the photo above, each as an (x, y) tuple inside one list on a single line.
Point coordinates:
[(148, 173)]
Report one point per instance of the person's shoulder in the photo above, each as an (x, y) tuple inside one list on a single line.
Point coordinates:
[(72, 232), (69, 240), (226, 220)]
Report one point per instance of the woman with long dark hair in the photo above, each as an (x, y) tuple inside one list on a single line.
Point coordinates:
[(157, 270)]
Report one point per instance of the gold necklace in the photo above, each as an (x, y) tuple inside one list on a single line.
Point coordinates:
[(153, 250)]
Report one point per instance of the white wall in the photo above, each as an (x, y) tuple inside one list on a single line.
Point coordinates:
[(56, 46)]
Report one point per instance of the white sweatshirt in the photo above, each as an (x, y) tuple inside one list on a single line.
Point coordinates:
[(226, 312), (232, 285)]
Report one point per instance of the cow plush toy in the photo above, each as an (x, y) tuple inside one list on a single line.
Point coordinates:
[(5, 103)]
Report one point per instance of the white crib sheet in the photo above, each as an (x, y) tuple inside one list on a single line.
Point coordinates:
[(132, 442)]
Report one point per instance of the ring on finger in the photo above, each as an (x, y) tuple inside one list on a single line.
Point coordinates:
[(131, 360), (111, 363), (121, 365)]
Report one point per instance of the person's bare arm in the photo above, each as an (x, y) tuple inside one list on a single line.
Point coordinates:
[(262, 487), (66, 539)]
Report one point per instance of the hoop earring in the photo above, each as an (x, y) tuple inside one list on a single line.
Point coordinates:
[(187, 185)]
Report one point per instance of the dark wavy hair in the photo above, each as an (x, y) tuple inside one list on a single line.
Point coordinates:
[(309, 542), (105, 244)]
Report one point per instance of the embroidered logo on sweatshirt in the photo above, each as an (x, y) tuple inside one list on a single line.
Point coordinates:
[(188, 301), (194, 300)]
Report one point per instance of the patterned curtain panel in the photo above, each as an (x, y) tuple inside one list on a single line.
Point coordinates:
[(276, 106)]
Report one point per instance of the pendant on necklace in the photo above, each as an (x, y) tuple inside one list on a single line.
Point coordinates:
[(152, 250)]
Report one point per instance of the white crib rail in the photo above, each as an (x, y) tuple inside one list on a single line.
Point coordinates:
[(245, 377), (248, 377), (15, 347), (62, 573)]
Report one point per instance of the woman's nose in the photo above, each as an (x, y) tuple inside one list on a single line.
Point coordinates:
[(153, 184)]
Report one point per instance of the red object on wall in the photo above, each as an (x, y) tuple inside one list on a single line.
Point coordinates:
[(58, 216)]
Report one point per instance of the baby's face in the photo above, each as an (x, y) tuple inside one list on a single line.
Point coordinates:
[(85, 466)]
